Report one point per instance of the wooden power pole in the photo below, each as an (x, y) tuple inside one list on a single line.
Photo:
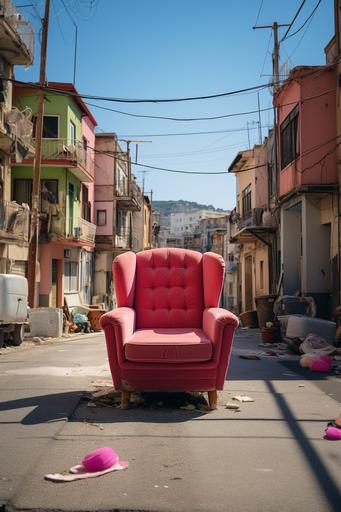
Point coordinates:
[(34, 238)]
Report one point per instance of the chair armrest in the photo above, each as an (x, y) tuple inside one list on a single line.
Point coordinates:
[(122, 320), (214, 321), (219, 325)]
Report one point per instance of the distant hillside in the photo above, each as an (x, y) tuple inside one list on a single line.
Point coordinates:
[(168, 207)]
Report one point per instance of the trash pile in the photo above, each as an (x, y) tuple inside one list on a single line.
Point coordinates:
[(318, 354), (185, 401), (333, 430)]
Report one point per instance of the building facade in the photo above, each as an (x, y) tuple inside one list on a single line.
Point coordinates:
[(16, 48), (122, 213), (67, 229), (308, 185), (253, 226)]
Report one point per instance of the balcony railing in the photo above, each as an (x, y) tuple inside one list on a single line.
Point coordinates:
[(86, 231), (16, 127), (61, 149), (20, 35), (123, 239), (14, 221)]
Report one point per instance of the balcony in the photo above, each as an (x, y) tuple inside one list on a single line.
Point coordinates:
[(16, 130), (60, 153), (127, 200), (16, 35), (52, 228), (14, 222), (123, 239), (85, 231)]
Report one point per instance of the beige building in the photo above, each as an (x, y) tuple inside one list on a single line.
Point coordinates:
[(16, 48), (253, 226)]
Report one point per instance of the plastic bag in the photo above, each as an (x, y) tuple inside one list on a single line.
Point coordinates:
[(316, 345)]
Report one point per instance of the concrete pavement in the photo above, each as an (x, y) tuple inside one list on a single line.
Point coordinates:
[(269, 456)]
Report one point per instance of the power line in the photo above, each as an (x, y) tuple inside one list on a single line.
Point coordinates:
[(232, 130), (293, 20), (266, 54), (133, 100), (208, 118), (259, 11), (180, 171), (150, 100), (305, 22)]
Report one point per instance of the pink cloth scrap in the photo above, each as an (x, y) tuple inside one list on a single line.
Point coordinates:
[(79, 473)]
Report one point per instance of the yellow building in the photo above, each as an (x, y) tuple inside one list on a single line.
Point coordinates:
[(253, 226)]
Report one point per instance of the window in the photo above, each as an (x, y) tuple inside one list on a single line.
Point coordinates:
[(86, 205), (101, 217), (230, 288), (246, 202), (22, 191), (231, 257), (290, 147), (72, 131), (85, 149), (261, 274), (49, 195), (50, 127), (71, 276)]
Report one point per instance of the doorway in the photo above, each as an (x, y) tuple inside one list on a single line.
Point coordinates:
[(248, 283), (54, 283), (71, 206)]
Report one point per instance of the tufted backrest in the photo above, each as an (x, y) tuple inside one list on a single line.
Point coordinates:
[(169, 288)]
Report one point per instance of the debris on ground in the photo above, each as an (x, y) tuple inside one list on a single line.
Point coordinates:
[(96, 463), (188, 407), (332, 433), (234, 407), (317, 363), (243, 398), (149, 400), (102, 383), (335, 423), (251, 357)]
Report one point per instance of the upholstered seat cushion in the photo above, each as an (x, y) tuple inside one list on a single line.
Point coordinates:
[(177, 345)]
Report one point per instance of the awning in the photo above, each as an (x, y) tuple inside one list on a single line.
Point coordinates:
[(253, 234)]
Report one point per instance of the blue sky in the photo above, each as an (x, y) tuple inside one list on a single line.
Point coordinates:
[(178, 48)]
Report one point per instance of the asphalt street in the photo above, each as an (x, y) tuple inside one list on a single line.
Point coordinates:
[(269, 456)]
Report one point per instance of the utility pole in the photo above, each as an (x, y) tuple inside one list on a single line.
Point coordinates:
[(275, 86), (34, 238), (337, 21), (275, 54), (259, 120)]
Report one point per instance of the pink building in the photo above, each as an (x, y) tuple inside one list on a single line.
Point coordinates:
[(307, 183), (118, 208)]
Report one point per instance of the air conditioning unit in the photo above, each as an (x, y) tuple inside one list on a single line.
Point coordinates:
[(78, 232)]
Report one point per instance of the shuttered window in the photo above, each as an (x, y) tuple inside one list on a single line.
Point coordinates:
[(290, 146)]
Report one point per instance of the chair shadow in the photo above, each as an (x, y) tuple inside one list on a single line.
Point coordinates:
[(46, 408), (158, 407)]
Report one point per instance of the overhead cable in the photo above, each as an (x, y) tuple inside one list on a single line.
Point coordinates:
[(293, 20), (151, 100), (303, 24)]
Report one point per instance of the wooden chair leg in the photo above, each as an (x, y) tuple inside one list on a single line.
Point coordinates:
[(212, 399), (125, 399)]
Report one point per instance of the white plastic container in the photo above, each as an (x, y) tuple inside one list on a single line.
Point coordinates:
[(13, 299), (46, 322), (299, 326)]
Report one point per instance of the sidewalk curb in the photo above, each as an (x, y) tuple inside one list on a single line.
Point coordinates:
[(29, 344)]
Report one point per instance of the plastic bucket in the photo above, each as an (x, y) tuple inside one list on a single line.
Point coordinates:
[(265, 309)]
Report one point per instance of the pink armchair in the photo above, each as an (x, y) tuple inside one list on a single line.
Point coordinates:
[(168, 332)]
